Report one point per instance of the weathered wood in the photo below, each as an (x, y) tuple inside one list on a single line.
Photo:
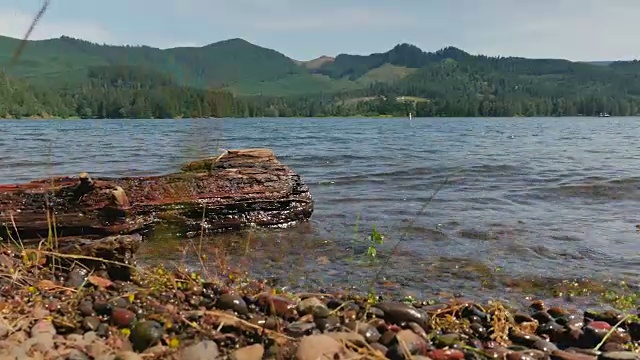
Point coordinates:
[(233, 190)]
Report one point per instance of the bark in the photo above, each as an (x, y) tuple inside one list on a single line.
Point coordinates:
[(239, 188)]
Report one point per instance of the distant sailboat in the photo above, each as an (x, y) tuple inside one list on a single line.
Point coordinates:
[(410, 116)]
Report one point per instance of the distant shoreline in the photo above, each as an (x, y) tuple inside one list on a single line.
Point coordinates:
[(323, 117)]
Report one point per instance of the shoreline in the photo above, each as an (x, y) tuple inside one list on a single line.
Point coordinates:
[(323, 117), (161, 313)]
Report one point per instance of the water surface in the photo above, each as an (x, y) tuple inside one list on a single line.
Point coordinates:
[(539, 198)]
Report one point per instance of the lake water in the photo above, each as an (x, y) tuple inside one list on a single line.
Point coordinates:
[(545, 199)]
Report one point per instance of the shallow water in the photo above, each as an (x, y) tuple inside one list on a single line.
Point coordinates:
[(552, 198)]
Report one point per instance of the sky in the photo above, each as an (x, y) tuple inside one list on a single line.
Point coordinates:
[(580, 30)]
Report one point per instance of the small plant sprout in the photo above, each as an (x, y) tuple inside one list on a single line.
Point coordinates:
[(375, 238)]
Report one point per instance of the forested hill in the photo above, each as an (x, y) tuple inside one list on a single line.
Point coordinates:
[(71, 77)]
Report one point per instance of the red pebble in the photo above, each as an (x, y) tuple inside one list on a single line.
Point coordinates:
[(449, 354), (600, 325)]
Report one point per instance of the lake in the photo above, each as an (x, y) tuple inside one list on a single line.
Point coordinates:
[(518, 200)]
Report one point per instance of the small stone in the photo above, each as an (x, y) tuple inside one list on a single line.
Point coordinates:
[(103, 330), (537, 305), (449, 354), (86, 308), (369, 332), (102, 308), (75, 354), (278, 305), (146, 334), (327, 324), (619, 355), (520, 318), (407, 339), (75, 338), (600, 325), (90, 323), (320, 347), (566, 355), (232, 302), (479, 330), (398, 312), (75, 279), (299, 329), (90, 336), (43, 327), (447, 340), (379, 348), (351, 337), (544, 345), (522, 338), (253, 352), (122, 317), (321, 312), (519, 355), (557, 312), (40, 312), (204, 350), (5, 329), (127, 355), (119, 302), (542, 317), (306, 306)]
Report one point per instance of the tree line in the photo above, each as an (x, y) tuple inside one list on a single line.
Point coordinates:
[(448, 88)]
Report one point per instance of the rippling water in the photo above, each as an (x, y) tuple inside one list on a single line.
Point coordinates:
[(552, 198)]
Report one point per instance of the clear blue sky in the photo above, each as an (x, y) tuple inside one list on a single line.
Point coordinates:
[(303, 29)]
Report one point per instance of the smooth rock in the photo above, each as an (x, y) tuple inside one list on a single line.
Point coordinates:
[(316, 347), (520, 318), (448, 354), (75, 354), (446, 340), (544, 345), (398, 312), (479, 330), (519, 355), (4, 330), (369, 332), (328, 324), (407, 339), (253, 352), (232, 302), (299, 329), (542, 317), (127, 355), (204, 350), (278, 305), (619, 355), (351, 337), (91, 323), (306, 306), (146, 334), (43, 327), (122, 317), (321, 312), (566, 355), (86, 308), (522, 338)]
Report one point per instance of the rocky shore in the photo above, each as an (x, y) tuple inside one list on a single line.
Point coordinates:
[(53, 307)]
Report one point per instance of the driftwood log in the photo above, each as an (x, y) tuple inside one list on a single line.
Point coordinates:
[(239, 188)]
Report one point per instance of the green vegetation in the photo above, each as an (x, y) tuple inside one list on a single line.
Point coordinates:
[(67, 77)]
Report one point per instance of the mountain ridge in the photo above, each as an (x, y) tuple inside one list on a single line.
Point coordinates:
[(245, 68), (236, 77)]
